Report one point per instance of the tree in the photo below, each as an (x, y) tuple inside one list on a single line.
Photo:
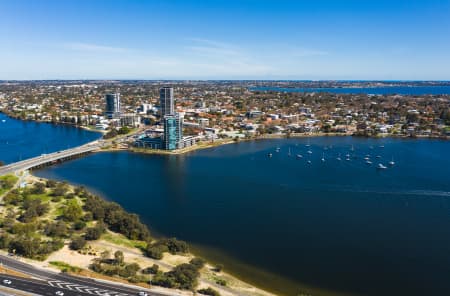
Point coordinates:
[(50, 183), (129, 270), (77, 243), (156, 251), (72, 211), (25, 246), (13, 198), (124, 130), (119, 258), (94, 233), (151, 270), (38, 188), (175, 246), (198, 262), (58, 229), (60, 189)]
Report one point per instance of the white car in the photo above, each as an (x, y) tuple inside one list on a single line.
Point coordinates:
[(142, 293), (7, 282), (59, 293)]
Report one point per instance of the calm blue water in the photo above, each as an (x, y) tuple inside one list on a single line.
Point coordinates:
[(337, 225), (24, 139), (401, 90)]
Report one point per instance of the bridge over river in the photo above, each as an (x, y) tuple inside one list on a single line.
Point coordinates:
[(50, 158)]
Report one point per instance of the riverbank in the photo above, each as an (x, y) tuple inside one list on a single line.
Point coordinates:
[(87, 128), (79, 262), (211, 144)]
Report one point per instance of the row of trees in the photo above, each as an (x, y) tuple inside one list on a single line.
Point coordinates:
[(116, 218), (30, 247), (172, 245)]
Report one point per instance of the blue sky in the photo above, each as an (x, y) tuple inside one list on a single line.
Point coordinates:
[(247, 39)]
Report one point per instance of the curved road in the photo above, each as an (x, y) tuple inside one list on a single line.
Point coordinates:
[(47, 283)]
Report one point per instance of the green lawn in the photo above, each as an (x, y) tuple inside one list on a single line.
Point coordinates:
[(119, 239)]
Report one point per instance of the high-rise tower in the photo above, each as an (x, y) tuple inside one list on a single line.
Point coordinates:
[(166, 101), (112, 105)]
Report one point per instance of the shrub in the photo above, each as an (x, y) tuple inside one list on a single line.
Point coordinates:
[(50, 183), (38, 188), (218, 268), (183, 276), (79, 225), (94, 233), (209, 291), (56, 229), (198, 262), (175, 246), (221, 282), (77, 243), (60, 189), (151, 270), (156, 251)]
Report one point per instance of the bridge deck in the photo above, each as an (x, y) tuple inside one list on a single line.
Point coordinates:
[(48, 158)]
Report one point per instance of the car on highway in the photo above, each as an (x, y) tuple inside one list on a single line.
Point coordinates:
[(142, 293), (59, 293), (7, 282)]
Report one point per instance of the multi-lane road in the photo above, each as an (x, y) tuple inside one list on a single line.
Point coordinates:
[(49, 158), (43, 282)]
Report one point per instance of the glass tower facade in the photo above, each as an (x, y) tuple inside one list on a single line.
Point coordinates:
[(173, 132)]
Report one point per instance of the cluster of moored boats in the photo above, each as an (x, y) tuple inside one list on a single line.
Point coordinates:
[(348, 157)]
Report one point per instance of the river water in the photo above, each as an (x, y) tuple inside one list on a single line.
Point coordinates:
[(291, 226), (24, 139)]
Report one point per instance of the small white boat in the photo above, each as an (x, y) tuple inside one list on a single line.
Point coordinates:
[(309, 162), (278, 149), (381, 166), (368, 162), (309, 152), (392, 162), (269, 155), (3, 120), (339, 157), (347, 155), (289, 153), (378, 156), (299, 156), (347, 159), (366, 158), (323, 157), (381, 146)]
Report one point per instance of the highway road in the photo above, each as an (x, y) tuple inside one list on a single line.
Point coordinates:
[(48, 158), (48, 283)]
